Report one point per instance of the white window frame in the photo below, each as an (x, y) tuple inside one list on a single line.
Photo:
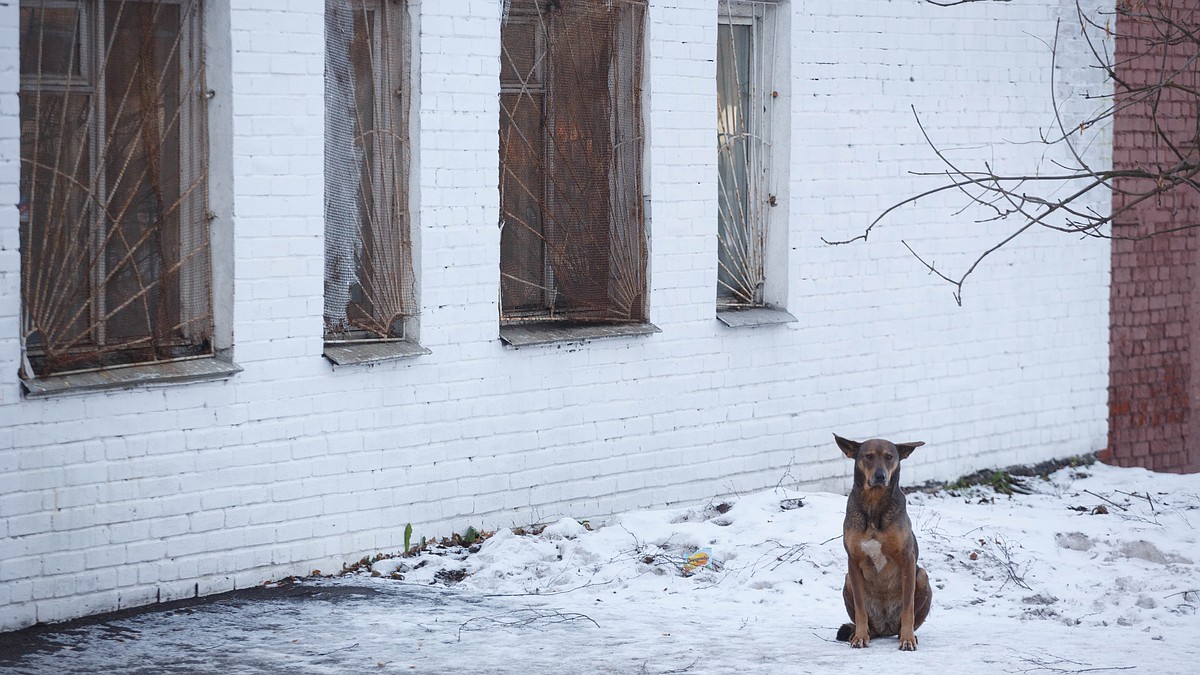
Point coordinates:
[(769, 124)]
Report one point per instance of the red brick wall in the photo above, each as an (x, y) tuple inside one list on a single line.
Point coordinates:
[(1155, 305)]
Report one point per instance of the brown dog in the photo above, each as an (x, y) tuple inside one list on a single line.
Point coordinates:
[(886, 592)]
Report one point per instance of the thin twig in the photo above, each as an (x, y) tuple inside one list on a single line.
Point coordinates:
[(339, 649), (1046, 662), (532, 617), (1145, 496), (1106, 499), (951, 3)]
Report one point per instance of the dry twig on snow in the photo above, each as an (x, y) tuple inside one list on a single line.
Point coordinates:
[(532, 617)]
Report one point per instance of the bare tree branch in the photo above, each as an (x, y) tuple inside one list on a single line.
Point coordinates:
[(951, 3), (1161, 39)]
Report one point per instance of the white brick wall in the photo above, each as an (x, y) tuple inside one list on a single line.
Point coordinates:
[(122, 498)]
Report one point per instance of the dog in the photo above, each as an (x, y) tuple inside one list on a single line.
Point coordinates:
[(886, 592)]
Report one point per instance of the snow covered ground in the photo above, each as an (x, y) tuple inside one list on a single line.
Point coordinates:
[(1037, 583)]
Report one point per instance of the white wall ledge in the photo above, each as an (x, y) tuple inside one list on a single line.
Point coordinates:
[(543, 333), (373, 352), (751, 317), (170, 372)]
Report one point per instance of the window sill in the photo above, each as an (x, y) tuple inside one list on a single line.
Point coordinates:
[(171, 372), (525, 335), (372, 352), (752, 317)]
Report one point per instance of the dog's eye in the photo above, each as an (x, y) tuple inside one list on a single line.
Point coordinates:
[(887, 458)]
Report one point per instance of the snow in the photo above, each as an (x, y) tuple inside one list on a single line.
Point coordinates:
[(1039, 583)]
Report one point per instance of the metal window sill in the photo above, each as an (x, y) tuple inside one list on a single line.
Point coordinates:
[(549, 332), (367, 353), (169, 372), (752, 317)]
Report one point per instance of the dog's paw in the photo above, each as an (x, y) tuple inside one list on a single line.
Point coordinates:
[(908, 644), (859, 641)]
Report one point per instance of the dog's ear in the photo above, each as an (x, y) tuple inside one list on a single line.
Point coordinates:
[(849, 447), (906, 449)]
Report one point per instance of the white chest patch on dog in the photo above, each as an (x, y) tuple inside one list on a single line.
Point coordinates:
[(874, 551)]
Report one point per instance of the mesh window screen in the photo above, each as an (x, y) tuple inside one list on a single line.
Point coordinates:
[(113, 211), (572, 240), (369, 284)]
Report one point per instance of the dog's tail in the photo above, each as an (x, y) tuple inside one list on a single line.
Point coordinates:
[(845, 632)]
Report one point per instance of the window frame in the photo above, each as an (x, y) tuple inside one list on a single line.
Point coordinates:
[(554, 316), (204, 350), (389, 182), (768, 124), (540, 89)]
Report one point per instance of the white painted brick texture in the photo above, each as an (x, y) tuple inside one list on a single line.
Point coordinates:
[(123, 498)]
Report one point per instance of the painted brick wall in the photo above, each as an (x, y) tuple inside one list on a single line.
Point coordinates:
[(1153, 420), (122, 498)]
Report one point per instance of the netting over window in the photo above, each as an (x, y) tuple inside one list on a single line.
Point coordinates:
[(572, 226), (113, 208), (369, 283), (745, 57)]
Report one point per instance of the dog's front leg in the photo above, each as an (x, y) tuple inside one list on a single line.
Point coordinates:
[(862, 631), (908, 587)]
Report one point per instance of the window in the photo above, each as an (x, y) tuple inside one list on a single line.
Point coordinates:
[(747, 95), (572, 242), (369, 281), (113, 210)]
